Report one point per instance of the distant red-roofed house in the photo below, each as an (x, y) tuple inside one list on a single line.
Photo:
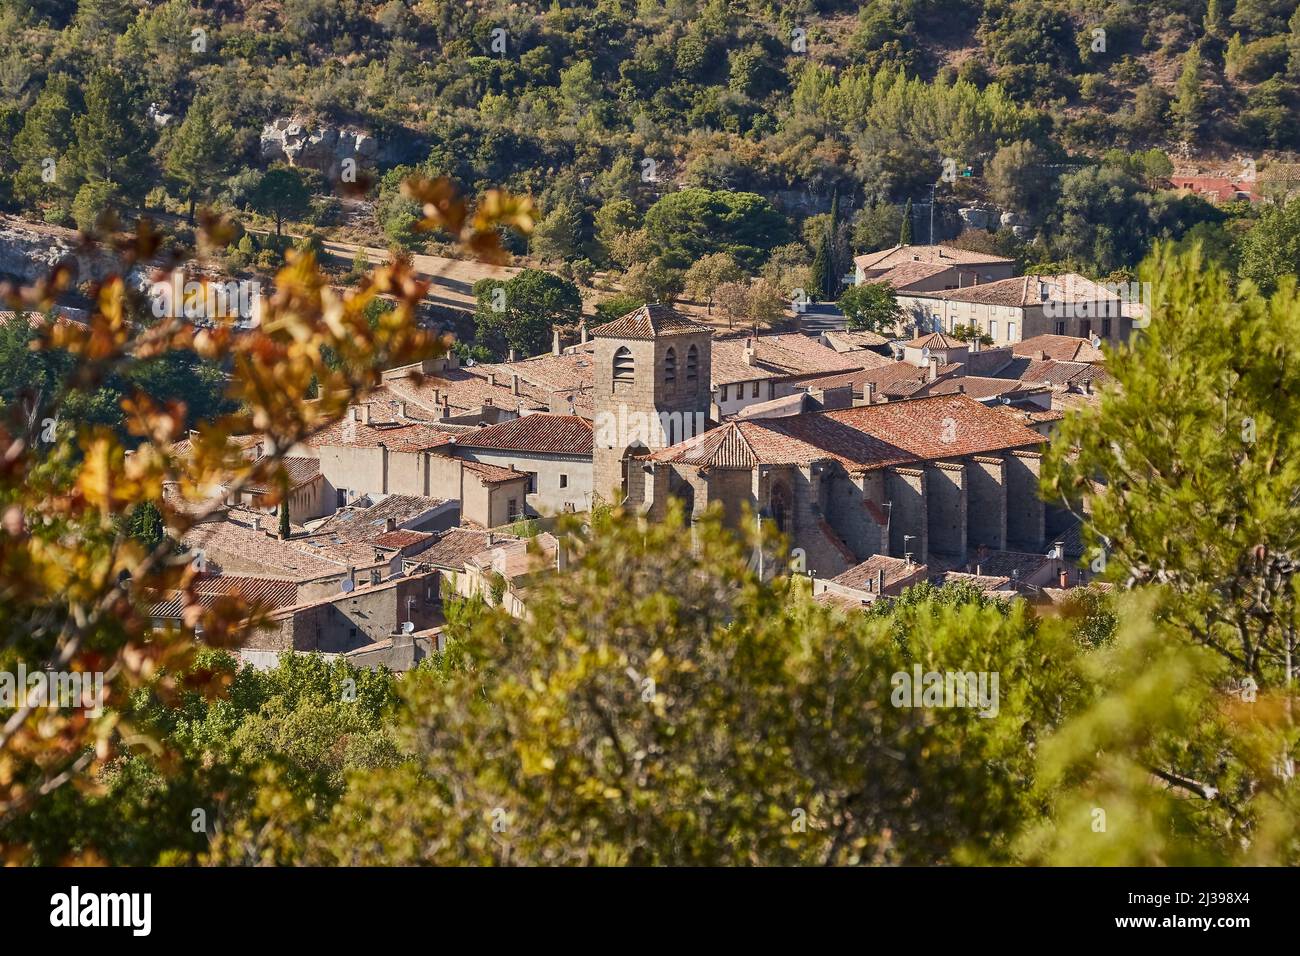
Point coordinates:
[(554, 452)]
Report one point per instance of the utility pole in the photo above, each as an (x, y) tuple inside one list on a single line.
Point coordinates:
[(932, 185)]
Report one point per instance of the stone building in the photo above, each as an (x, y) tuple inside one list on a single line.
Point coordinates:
[(933, 478), (652, 386)]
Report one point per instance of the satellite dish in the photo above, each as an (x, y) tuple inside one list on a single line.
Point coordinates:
[(925, 354), (408, 627), (1096, 342), (347, 585)]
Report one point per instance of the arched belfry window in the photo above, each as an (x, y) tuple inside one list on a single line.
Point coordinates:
[(693, 363), (624, 367), (670, 367)]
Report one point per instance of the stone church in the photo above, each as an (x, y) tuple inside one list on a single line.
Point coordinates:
[(934, 479)]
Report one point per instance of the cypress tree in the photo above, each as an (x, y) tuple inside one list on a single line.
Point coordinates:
[(905, 236)]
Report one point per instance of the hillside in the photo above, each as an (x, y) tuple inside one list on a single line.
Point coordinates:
[(600, 109)]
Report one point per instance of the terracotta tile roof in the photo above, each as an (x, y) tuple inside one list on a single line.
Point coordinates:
[(856, 340), (903, 379), (1024, 291), (1004, 564), (466, 390), (648, 322), (267, 593), (854, 378), (861, 439), (367, 524), (455, 546), (939, 254), (402, 539), (1030, 415), (399, 436), (936, 340), (540, 433), (1061, 348), (977, 386), (493, 474), (898, 571), (300, 471), (1038, 371), (778, 357), (906, 274), (273, 556)]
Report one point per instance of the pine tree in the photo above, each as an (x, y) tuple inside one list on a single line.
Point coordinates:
[(1189, 105), (905, 236), (200, 152), (111, 146)]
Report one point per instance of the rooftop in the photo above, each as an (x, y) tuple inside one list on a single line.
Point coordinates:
[(939, 254), (649, 322), (541, 433)]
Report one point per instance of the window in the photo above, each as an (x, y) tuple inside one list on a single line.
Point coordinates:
[(1011, 331), (754, 391), (692, 364), (993, 330), (341, 498), (564, 481), (532, 482), (1105, 328), (624, 367), (512, 508), (724, 393), (670, 368), (1085, 329), (936, 324), (1060, 328)]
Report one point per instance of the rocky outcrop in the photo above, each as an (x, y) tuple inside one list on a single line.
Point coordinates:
[(323, 148), (29, 251)]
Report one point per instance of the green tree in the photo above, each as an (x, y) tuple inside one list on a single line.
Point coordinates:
[(822, 277), (1187, 473), (521, 312), (704, 276), (905, 232), (199, 153), (43, 171), (1271, 249), (282, 194), (871, 306), (1189, 103), (111, 145), (690, 223), (647, 720)]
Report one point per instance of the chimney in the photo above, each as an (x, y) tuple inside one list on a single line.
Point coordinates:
[(401, 410), (880, 580), (514, 384), (257, 522), (390, 524), (961, 389), (975, 341), (555, 342), (933, 372), (512, 356), (1063, 578), (1042, 291), (364, 413), (583, 332), (492, 378), (869, 392), (490, 539), (749, 351), (907, 556), (445, 411), (1040, 355)]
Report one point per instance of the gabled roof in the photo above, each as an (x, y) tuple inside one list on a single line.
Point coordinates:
[(935, 340), (367, 524), (1061, 348), (947, 255), (861, 439), (778, 356), (538, 433), (649, 322)]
